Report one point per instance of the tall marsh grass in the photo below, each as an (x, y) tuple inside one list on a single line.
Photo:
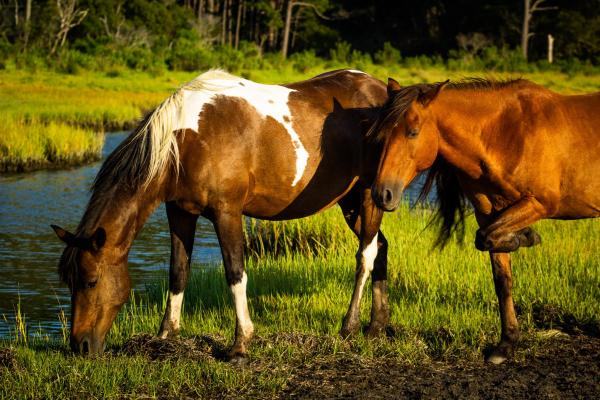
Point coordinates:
[(28, 143)]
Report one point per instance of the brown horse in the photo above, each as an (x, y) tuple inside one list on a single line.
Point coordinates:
[(517, 151), (223, 147)]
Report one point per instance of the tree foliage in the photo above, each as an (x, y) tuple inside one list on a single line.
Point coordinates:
[(160, 31)]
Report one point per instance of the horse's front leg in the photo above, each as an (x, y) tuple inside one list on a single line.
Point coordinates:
[(510, 230), (228, 226), (183, 228), (501, 269), (364, 219)]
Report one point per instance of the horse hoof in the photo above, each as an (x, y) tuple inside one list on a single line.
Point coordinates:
[(528, 237), (500, 354), (165, 333), (237, 358), (374, 330), (346, 332), (349, 328)]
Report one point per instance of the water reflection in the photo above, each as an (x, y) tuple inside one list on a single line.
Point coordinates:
[(29, 249)]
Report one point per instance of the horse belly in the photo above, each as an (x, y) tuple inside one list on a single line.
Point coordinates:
[(321, 191)]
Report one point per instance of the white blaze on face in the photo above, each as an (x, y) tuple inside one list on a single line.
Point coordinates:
[(238, 291), (268, 100)]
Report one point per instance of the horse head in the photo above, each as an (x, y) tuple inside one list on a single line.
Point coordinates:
[(409, 139), (99, 282)]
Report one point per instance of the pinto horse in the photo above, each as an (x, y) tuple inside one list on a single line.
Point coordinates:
[(222, 147), (516, 151)]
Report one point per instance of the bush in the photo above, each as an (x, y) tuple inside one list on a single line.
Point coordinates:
[(185, 55), (389, 55), (73, 62), (305, 60), (342, 53)]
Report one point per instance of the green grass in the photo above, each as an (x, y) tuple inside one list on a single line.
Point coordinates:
[(443, 306), (27, 144), (98, 101)]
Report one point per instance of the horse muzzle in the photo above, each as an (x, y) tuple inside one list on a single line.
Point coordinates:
[(387, 195), (87, 345)]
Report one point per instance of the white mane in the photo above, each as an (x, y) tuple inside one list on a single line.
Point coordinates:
[(156, 133)]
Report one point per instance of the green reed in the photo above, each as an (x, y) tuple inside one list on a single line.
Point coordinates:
[(28, 143)]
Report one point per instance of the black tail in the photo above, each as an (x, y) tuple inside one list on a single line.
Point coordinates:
[(451, 202)]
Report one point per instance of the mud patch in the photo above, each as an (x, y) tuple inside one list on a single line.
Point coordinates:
[(546, 316), (564, 367), (8, 359), (195, 348), (554, 366)]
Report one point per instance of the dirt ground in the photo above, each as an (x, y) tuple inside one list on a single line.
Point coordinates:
[(563, 367), (567, 367)]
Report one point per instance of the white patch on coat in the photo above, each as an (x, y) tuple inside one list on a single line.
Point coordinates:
[(355, 71), (268, 100), (240, 300)]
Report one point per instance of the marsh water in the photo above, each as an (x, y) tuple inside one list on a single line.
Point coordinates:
[(29, 249)]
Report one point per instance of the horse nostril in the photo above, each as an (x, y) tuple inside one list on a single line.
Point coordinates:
[(84, 347), (388, 196)]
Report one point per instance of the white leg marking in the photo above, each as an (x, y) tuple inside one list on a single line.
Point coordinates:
[(367, 262), (241, 306), (172, 313)]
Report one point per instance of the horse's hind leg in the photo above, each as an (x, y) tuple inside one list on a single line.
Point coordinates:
[(183, 228), (364, 219), (501, 269), (228, 226)]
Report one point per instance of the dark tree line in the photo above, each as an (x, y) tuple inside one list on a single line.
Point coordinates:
[(286, 26)]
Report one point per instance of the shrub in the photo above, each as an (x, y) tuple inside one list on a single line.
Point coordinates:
[(341, 53), (389, 55), (305, 60)]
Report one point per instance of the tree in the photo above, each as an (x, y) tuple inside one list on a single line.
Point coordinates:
[(69, 17), (529, 8), (288, 22)]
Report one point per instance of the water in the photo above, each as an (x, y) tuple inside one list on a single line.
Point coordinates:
[(29, 249)]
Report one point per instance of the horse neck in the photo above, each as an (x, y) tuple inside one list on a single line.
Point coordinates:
[(121, 212), (462, 120)]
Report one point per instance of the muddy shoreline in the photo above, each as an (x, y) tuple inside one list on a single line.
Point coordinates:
[(561, 367)]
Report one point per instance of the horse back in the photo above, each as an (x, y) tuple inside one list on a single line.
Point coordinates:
[(286, 157)]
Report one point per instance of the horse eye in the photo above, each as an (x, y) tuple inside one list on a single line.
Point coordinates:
[(413, 133), (91, 284)]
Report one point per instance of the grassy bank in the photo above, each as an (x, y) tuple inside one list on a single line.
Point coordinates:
[(27, 144), (442, 303), (35, 103)]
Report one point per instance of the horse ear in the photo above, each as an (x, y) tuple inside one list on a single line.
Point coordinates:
[(337, 106), (98, 239), (393, 86), (428, 95), (64, 235)]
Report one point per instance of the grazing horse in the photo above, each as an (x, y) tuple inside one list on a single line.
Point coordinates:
[(516, 151), (223, 147)]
